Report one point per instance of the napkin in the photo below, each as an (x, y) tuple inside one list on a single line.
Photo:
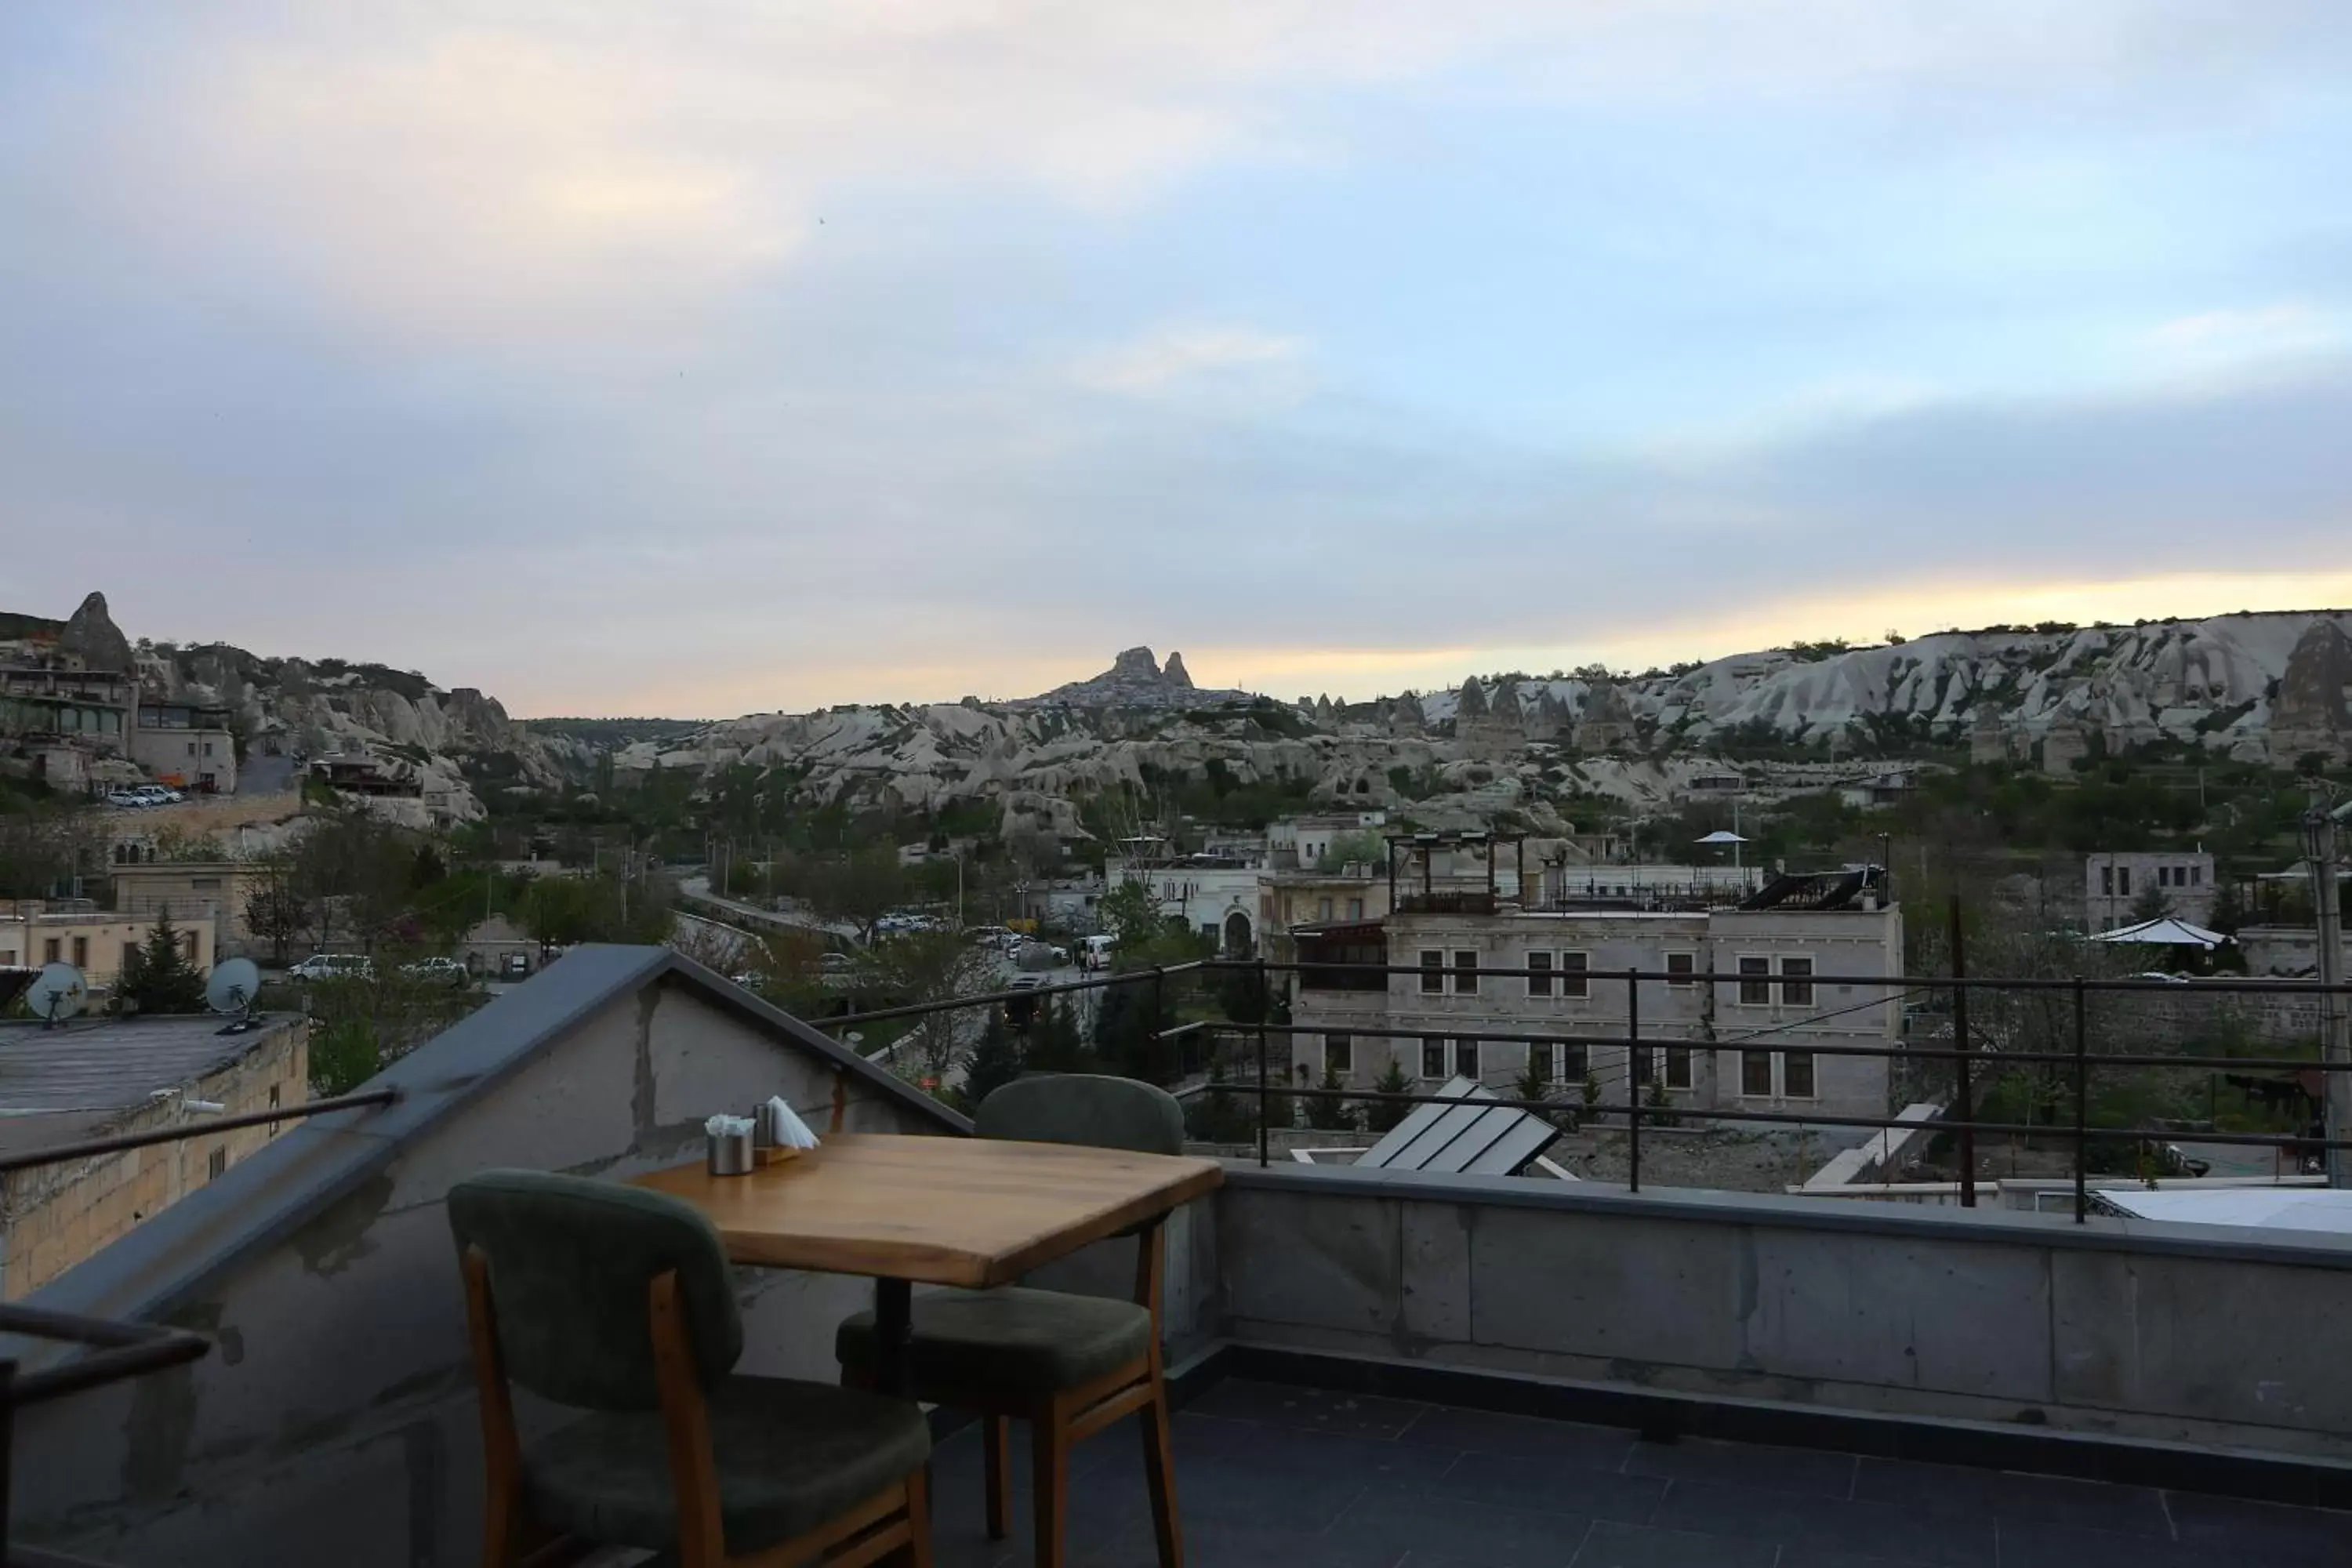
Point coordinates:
[(792, 1133), (729, 1127)]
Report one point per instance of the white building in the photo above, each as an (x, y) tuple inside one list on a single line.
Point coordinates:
[(2114, 883), (1219, 897), (1448, 1007)]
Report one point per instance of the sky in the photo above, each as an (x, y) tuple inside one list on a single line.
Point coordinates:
[(732, 355)]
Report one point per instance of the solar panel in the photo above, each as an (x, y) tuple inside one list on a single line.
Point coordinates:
[(1463, 1139)]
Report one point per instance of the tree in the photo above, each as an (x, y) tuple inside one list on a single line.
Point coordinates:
[(1327, 1113), (1383, 1115), (928, 967), (859, 886), (995, 1061), (273, 910), (1055, 1045), (2229, 911), (356, 873), (2150, 905), (1131, 915), (157, 976), (1365, 849), (1535, 1079)]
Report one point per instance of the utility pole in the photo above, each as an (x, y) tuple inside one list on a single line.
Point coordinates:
[(2319, 849)]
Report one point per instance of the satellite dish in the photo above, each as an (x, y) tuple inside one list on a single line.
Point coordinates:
[(58, 994), (231, 991)]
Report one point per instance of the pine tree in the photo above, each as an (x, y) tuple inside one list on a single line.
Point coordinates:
[(1383, 1115), (995, 1062), (157, 977), (1330, 1114)]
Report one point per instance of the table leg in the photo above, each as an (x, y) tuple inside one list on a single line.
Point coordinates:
[(893, 1329)]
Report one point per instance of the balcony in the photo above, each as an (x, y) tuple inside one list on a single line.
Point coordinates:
[(1380, 1368)]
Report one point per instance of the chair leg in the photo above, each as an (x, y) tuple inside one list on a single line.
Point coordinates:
[(1160, 1476), (919, 1517), (1050, 1462), (995, 1436)]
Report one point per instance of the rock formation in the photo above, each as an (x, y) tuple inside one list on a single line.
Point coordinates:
[(92, 641), (2310, 714)]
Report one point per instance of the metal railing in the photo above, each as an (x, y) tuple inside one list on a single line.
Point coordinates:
[(115, 1143), (119, 1351), (1963, 1054)]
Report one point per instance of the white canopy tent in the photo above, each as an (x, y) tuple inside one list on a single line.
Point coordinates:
[(2165, 933)]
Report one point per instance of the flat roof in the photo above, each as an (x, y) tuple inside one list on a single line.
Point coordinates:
[(61, 1084), (2269, 1208)]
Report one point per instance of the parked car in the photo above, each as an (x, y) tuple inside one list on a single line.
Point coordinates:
[(447, 971), (334, 966), (834, 963), (127, 799), (157, 794)]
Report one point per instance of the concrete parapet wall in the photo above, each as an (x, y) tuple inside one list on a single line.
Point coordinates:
[(2191, 1334)]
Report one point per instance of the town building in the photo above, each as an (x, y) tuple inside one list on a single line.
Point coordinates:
[(186, 745), (96, 941), (189, 891), (2115, 884), (1446, 1016), (99, 1076), (1216, 895)]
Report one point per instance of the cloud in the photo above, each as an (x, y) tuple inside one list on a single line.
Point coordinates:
[(1173, 356)]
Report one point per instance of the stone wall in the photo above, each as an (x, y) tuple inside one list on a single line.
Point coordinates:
[(2190, 1333)]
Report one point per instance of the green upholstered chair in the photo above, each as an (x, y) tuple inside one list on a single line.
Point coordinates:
[(617, 1303), (1069, 1365)]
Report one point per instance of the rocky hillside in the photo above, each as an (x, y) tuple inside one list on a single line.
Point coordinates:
[(2251, 685), (459, 743)]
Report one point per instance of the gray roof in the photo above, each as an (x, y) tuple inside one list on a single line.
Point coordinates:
[(70, 1082), (1466, 1139), (274, 1191)]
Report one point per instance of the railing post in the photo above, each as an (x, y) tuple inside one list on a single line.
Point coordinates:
[(1160, 1008), (1633, 1088), (1265, 1005), (1961, 1087), (2082, 1079)]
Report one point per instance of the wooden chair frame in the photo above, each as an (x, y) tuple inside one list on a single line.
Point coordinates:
[(896, 1520), (1062, 1419)]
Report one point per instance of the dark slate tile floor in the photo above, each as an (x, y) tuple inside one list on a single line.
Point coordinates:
[(1269, 1475)]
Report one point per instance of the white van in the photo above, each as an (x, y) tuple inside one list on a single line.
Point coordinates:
[(1094, 951), (334, 966)]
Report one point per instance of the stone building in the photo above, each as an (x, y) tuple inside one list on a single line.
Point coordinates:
[(1989, 738), (111, 1076)]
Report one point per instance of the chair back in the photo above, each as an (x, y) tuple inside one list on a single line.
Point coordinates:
[(572, 1262), (1084, 1108)]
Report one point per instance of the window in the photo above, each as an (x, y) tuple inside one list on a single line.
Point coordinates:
[(2164, 875), (1355, 908), (1797, 981), (1797, 1075), (2195, 875), (204, 884), (1466, 972), (1754, 990), (1756, 1074), (1432, 1056), (1572, 983), (1466, 1058), (1643, 1066), (81, 952), (1679, 1066), (1339, 1054), (1683, 964), (1433, 973), (215, 1164), (1539, 975), (49, 950), (2107, 881), (2123, 881), (208, 748), (1322, 908), (1570, 1063), (128, 949)]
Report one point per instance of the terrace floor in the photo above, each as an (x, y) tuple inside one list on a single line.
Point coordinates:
[(1272, 1476)]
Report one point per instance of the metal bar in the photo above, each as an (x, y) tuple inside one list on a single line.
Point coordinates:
[(1911, 1053), (102, 1367), (1266, 1001), (7, 1448), (1960, 1085), (917, 1009), (2081, 1108), (2210, 983), (58, 1153), (1159, 1004), (1634, 1078), (1822, 1118)]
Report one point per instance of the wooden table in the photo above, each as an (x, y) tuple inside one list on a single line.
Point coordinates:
[(976, 1212)]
